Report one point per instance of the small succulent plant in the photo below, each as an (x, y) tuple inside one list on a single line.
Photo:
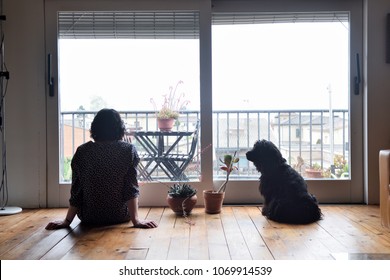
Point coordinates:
[(181, 190)]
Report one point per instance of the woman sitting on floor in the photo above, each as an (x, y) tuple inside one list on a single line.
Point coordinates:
[(104, 177)]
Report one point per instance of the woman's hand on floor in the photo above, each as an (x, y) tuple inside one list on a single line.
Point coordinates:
[(145, 224), (57, 225)]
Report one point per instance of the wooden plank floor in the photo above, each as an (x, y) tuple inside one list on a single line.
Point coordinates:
[(238, 233)]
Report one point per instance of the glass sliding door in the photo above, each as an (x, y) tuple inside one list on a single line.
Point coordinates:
[(136, 61), (285, 75)]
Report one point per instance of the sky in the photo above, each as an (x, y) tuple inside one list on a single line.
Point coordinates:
[(267, 66)]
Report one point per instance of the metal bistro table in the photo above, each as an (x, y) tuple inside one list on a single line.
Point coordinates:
[(162, 152)]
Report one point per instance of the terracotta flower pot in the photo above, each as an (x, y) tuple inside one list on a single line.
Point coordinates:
[(165, 124), (312, 173), (182, 205), (213, 201)]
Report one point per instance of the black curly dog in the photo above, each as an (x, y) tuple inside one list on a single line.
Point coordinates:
[(286, 199)]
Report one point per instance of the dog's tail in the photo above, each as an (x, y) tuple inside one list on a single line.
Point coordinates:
[(313, 211)]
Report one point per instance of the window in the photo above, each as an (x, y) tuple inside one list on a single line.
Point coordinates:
[(242, 62), (282, 77), (130, 61)]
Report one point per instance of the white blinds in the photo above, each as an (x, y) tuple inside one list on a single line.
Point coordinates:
[(168, 25), (257, 18), (135, 25)]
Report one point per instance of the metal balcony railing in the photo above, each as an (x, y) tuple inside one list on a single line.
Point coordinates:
[(306, 138)]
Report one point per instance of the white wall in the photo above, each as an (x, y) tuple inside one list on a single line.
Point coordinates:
[(377, 91), (25, 100)]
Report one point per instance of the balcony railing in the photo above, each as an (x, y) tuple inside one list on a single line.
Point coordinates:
[(306, 138)]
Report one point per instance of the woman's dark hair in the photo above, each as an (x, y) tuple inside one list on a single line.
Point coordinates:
[(107, 126)]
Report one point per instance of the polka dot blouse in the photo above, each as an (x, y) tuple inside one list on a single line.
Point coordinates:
[(104, 178)]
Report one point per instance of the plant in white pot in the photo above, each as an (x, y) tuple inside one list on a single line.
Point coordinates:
[(213, 199)]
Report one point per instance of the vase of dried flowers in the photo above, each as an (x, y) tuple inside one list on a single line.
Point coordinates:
[(172, 104)]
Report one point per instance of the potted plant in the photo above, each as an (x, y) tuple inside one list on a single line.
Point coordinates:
[(172, 104), (166, 119), (213, 199), (315, 171), (182, 198)]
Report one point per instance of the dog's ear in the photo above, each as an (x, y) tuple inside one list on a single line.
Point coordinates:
[(274, 157), (276, 152)]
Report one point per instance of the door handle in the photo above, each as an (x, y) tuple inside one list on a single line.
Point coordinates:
[(357, 77), (50, 78)]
